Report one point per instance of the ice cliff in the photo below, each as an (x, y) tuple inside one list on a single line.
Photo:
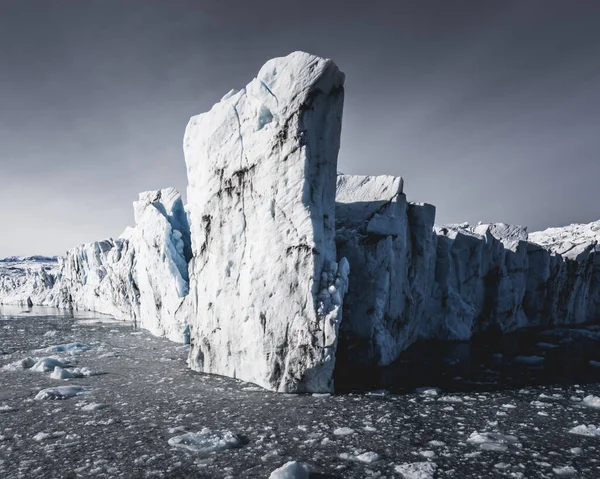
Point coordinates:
[(266, 287), (278, 269)]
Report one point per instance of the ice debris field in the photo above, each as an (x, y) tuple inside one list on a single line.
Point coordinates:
[(148, 415)]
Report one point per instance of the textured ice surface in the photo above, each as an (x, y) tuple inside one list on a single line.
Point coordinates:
[(291, 470), (266, 288), (417, 470), (206, 441), (491, 441), (61, 392)]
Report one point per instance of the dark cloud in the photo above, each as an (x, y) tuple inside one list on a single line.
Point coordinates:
[(488, 109)]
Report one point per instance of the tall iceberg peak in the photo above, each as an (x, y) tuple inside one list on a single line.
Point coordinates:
[(266, 289)]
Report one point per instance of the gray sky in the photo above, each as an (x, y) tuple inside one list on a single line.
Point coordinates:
[(489, 109)]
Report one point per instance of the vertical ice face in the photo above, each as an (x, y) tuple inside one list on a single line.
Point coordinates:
[(141, 276), (266, 289), (373, 234), (161, 239)]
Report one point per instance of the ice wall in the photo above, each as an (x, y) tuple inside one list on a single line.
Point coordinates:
[(266, 288)]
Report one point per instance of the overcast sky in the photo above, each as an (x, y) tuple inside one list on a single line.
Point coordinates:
[(489, 109)]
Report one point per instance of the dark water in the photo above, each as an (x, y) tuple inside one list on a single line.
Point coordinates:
[(149, 396), (488, 363)]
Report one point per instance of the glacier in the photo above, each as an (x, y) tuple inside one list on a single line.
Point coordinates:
[(279, 270)]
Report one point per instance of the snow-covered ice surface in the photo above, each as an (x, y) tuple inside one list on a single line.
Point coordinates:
[(122, 425)]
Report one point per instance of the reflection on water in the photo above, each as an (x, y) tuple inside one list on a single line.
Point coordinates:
[(511, 361), (9, 311)]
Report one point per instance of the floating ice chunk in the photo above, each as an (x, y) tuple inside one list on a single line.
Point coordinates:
[(45, 365), (530, 360), (61, 373), (61, 392), (6, 408), (343, 431), (592, 401), (206, 441), (42, 436), (93, 407), (595, 364), (291, 470), (451, 399), (583, 430), (428, 391), (417, 470), (435, 443), (368, 457), (491, 441), (566, 471), (20, 364), (379, 393), (69, 348)]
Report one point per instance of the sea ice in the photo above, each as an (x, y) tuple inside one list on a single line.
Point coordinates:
[(491, 441), (592, 401), (61, 392), (206, 441), (45, 365), (583, 430), (417, 470), (291, 470)]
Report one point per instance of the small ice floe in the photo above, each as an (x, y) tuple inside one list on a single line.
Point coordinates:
[(321, 395), (42, 436), (6, 408), (576, 450), (565, 471), (20, 364), (595, 364), (206, 441), (61, 392), (69, 348), (343, 431), (583, 430), (93, 406), (61, 373), (529, 360), (366, 457), (491, 441), (455, 399), (592, 401), (50, 334), (428, 391), (291, 470), (417, 470), (110, 354), (378, 393), (45, 365)]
